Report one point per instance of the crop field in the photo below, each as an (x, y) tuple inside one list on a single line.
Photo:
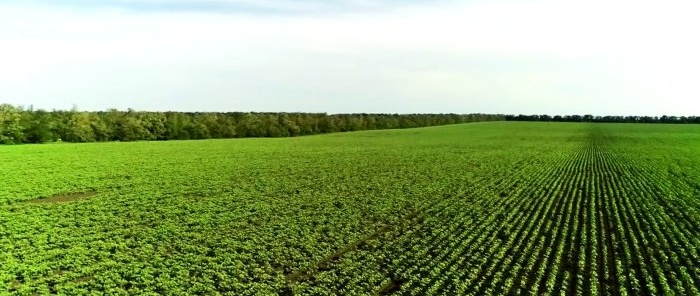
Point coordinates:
[(502, 208)]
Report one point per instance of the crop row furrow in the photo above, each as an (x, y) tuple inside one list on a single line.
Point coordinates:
[(543, 236), (639, 282), (499, 249), (514, 263), (439, 212), (482, 226), (676, 232), (523, 256), (608, 257), (568, 263), (652, 234), (541, 282)]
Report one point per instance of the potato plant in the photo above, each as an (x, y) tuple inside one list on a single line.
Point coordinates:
[(473, 209)]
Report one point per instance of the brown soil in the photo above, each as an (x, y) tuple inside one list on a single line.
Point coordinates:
[(64, 197), (84, 279)]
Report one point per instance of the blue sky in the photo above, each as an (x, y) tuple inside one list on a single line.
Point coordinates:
[(497, 56)]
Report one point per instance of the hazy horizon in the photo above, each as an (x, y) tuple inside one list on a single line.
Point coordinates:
[(352, 56)]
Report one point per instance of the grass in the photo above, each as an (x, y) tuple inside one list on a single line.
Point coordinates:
[(495, 208)]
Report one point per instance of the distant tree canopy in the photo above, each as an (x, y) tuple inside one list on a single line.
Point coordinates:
[(609, 119), (20, 125)]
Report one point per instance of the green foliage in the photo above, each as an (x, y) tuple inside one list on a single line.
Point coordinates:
[(39, 126), (473, 209), (10, 124), (80, 127)]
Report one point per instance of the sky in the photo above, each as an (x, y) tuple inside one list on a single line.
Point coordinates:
[(613, 57)]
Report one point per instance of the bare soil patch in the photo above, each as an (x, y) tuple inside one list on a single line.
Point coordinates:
[(84, 279), (64, 198)]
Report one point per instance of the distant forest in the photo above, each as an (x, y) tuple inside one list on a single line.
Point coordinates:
[(20, 125), (609, 119)]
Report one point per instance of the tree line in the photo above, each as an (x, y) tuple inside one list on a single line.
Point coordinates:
[(20, 125), (608, 119)]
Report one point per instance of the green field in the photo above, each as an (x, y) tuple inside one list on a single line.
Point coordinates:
[(481, 209)]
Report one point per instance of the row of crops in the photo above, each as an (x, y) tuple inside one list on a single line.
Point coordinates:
[(590, 218), (477, 209)]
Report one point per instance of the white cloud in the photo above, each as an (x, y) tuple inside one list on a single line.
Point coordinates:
[(541, 56)]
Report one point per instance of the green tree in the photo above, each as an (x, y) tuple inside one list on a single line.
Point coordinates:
[(100, 128), (131, 128), (80, 127), (37, 126), (154, 123), (10, 124)]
